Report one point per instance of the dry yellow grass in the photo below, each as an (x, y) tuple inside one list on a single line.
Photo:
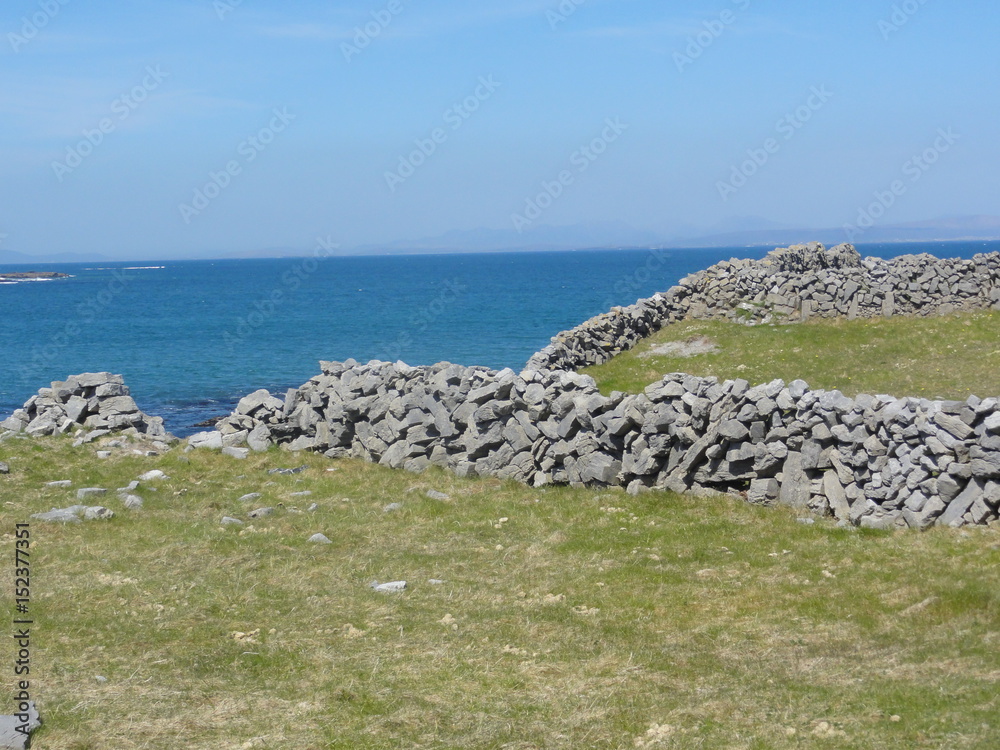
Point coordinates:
[(585, 619)]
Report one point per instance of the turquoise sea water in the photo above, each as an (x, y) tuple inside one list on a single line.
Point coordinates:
[(192, 337)]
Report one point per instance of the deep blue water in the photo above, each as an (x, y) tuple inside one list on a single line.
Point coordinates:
[(192, 337)]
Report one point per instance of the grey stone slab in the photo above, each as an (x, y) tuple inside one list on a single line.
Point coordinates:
[(16, 729), (958, 507)]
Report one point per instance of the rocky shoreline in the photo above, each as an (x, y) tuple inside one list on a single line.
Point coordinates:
[(874, 461)]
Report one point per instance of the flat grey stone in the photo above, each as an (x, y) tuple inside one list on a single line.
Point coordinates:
[(92, 436), (957, 508), (98, 513), (104, 454), (599, 467), (953, 426), (59, 483), (211, 440), (4, 468), (250, 497), (312, 508), (149, 476), (57, 516), (230, 521), (392, 507), (87, 492), (879, 523), (14, 425), (249, 404), (734, 430), (763, 491), (836, 496), (319, 539), (985, 464), (237, 453), (261, 513), (393, 587), (16, 729), (298, 470), (435, 495), (133, 502), (259, 438), (304, 493), (794, 490)]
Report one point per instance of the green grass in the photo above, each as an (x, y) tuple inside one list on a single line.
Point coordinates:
[(947, 357), (581, 621)]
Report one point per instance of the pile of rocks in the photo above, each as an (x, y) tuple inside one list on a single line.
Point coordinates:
[(99, 402), (250, 424), (788, 285), (873, 460)]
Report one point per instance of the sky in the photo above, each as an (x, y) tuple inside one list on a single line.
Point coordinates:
[(158, 128)]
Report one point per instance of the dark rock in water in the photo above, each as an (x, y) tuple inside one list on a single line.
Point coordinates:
[(211, 422), (32, 275)]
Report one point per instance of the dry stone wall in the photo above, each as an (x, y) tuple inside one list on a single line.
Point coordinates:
[(874, 461), (96, 402), (788, 285)]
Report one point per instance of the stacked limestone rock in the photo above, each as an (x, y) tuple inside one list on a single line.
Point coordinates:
[(252, 421), (99, 402), (788, 285), (873, 461)]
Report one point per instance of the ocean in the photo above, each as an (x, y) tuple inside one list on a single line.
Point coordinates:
[(192, 337)]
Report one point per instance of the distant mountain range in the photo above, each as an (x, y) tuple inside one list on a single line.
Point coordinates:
[(942, 230), (735, 232)]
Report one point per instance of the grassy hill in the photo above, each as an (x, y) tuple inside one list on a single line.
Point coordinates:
[(565, 618), (941, 357)]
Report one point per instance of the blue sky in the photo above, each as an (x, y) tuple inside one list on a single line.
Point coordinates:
[(371, 122)]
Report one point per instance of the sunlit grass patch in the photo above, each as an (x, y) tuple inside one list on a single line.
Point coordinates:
[(950, 357)]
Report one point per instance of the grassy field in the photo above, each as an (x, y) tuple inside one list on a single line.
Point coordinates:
[(567, 618), (942, 357)]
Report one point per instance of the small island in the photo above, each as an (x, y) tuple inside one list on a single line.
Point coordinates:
[(33, 276)]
